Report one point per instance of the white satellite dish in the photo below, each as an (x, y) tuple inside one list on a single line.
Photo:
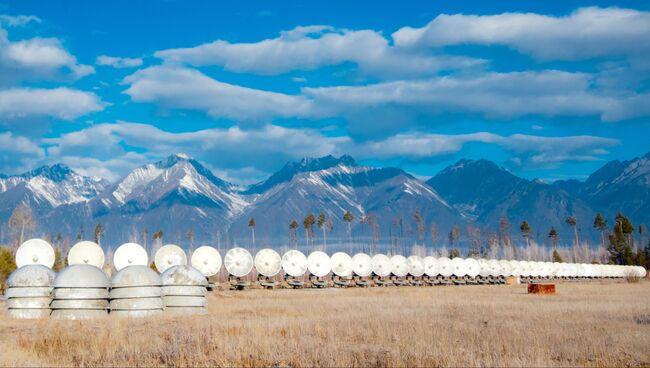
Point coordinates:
[(458, 267), (341, 264), (495, 268), (130, 254), (415, 266), (268, 262), (485, 268), (445, 268), (399, 266), (506, 268), (515, 268), (381, 265), (207, 260), (319, 264), (362, 264), (35, 251), (238, 262), (86, 252), (472, 267), (430, 266), (294, 263), (168, 256)]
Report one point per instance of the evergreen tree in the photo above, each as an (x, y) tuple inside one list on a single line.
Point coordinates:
[(620, 252), (600, 224), (7, 264), (556, 256), (349, 217), (251, 225), (525, 231), (308, 224), (293, 234), (554, 236), (573, 222), (321, 226)]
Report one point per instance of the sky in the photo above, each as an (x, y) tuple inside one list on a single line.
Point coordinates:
[(548, 90)]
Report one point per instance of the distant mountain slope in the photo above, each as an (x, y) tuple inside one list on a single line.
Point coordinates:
[(46, 188), (485, 192), (342, 186), (618, 186)]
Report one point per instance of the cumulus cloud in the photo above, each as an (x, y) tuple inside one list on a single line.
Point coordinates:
[(63, 103), (311, 47), (585, 33), (182, 88), (37, 58), (490, 95), (224, 149), (527, 150), (118, 62), (18, 154)]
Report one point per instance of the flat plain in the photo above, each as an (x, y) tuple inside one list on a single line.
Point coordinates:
[(595, 323)]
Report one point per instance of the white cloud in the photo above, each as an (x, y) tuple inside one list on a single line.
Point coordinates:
[(118, 62), (527, 150), (311, 47), (37, 58), (18, 20), (18, 154), (63, 103), (586, 33), (182, 88), (491, 95)]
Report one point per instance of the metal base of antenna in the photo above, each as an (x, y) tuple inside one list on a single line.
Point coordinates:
[(380, 281), (236, 283), (415, 281), (341, 282), (293, 282), (266, 282), (360, 281), (317, 282)]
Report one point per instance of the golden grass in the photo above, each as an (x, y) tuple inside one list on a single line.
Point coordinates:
[(592, 324)]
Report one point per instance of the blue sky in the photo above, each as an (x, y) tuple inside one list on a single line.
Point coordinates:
[(547, 89)]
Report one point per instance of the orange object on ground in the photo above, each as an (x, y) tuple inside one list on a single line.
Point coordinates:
[(541, 288)]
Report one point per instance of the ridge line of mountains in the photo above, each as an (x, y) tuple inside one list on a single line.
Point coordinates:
[(179, 193)]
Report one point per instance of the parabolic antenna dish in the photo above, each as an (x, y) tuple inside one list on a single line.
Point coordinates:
[(319, 263), (341, 264), (362, 264), (238, 262), (430, 266), (416, 265), (168, 256), (130, 254), (515, 268), (524, 268), (294, 263), (458, 267), (86, 252), (207, 260), (445, 268), (485, 268), (381, 265), (472, 267), (398, 265), (268, 262), (35, 251), (495, 268), (506, 268)]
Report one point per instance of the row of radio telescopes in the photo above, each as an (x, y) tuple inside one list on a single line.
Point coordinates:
[(83, 290)]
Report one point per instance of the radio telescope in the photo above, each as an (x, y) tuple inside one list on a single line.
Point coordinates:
[(130, 254), (430, 270), (35, 251), (168, 256), (415, 269), (319, 265), (86, 252), (294, 264), (268, 263), (238, 263), (445, 269), (381, 268), (472, 268), (341, 268), (362, 268)]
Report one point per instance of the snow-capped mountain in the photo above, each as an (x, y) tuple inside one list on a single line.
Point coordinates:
[(336, 185), (46, 188), (176, 194), (485, 192), (619, 186)]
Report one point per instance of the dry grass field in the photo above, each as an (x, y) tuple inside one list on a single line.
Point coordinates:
[(584, 324)]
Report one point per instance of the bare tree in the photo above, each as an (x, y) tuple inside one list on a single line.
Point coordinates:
[(433, 228), (419, 222), (99, 233), (21, 220)]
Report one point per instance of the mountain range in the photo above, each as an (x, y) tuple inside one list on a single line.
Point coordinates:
[(181, 196)]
